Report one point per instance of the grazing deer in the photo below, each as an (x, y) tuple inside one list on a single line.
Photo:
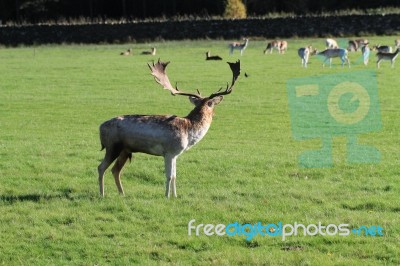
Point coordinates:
[(305, 53), (238, 46), (354, 45), (281, 46), (387, 56), (331, 44), (160, 135), (331, 53), (127, 52), (214, 57), (361, 42), (382, 48), (152, 52), (270, 46)]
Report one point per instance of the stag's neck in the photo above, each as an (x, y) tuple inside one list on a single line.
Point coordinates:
[(199, 121), (199, 116)]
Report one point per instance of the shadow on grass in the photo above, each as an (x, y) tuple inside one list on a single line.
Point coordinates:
[(37, 197)]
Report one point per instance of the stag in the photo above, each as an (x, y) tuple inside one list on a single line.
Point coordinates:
[(159, 135)]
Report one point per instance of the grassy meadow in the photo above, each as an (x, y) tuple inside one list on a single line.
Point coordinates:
[(53, 99)]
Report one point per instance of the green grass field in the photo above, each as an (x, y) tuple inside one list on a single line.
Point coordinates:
[(53, 99)]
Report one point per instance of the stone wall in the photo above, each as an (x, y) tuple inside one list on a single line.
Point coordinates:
[(357, 25)]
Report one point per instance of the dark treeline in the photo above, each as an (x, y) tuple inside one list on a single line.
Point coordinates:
[(34, 11)]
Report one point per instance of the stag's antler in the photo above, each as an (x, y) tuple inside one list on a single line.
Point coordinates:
[(160, 76), (235, 67)]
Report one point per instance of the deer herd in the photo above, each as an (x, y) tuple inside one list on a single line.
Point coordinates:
[(332, 50), (169, 135), (129, 51)]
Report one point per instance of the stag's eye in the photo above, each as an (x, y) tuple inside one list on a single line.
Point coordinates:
[(210, 104)]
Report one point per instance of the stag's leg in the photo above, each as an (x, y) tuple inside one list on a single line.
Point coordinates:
[(377, 62), (345, 60), (116, 170), (111, 155), (170, 173), (323, 64)]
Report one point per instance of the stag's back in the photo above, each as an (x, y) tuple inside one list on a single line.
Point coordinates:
[(148, 134)]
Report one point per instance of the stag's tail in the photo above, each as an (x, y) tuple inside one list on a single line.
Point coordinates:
[(102, 130)]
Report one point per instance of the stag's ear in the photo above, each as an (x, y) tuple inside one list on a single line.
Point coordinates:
[(195, 101), (215, 101)]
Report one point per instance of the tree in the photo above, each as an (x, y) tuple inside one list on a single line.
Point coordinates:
[(235, 9)]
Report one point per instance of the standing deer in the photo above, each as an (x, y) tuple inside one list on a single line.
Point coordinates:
[(387, 56), (238, 46), (331, 53), (397, 43), (382, 48), (305, 53), (160, 135), (365, 52), (281, 46)]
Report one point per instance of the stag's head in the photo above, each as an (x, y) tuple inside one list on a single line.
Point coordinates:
[(205, 104)]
